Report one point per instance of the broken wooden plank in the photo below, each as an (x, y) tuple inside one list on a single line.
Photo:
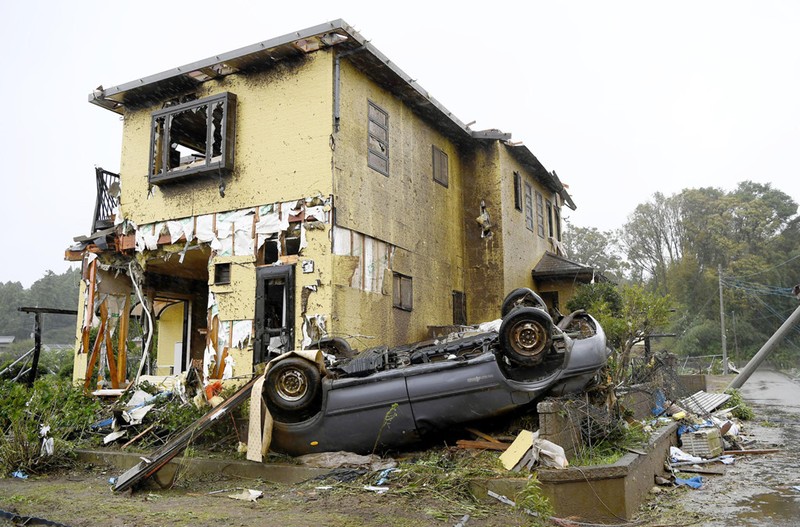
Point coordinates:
[(746, 452), (154, 462), (480, 434), (137, 437), (112, 363), (482, 445), (713, 471), (122, 346), (93, 358)]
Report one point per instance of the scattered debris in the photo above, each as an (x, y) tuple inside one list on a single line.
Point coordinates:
[(346, 460), (247, 495), (528, 449)]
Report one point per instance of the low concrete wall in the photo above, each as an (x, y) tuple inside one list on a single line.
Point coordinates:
[(604, 493), (274, 472)]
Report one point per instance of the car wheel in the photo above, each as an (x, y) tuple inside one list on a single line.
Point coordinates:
[(522, 297), (292, 386), (526, 335)]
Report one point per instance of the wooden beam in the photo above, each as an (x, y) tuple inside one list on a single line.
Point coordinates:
[(122, 346), (94, 356), (89, 311), (112, 363), (481, 445), (480, 434)]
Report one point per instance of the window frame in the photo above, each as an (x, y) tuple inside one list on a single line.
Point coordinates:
[(399, 284), (539, 214), (383, 142), (441, 166), (529, 206), (459, 308), (517, 191), (158, 165)]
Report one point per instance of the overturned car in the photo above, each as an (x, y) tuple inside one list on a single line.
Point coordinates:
[(385, 398)]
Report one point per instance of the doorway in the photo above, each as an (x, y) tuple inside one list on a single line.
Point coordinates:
[(274, 312)]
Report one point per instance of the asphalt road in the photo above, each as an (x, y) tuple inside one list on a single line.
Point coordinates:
[(759, 490)]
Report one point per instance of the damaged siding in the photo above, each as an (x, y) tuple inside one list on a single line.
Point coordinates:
[(407, 210)]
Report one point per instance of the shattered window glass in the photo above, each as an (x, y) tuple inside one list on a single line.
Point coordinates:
[(378, 139), (192, 138)]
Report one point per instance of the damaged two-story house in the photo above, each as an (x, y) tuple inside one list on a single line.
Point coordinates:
[(300, 188)]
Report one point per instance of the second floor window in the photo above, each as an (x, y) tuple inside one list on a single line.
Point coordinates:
[(528, 206), (192, 138), (440, 166), (539, 214), (378, 140), (403, 292)]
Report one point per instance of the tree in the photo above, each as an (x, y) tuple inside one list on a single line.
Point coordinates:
[(598, 249), (653, 237)]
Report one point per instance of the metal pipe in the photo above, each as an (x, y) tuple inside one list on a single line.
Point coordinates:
[(767, 348)]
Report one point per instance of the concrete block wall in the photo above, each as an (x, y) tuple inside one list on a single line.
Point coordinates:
[(555, 426)]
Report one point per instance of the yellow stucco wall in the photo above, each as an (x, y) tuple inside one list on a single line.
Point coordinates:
[(523, 248), (283, 125), (407, 209)]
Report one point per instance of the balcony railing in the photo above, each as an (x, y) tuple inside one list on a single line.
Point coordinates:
[(107, 199)]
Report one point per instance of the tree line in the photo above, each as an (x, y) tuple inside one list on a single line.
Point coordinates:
[(681, 247), (52, 291)]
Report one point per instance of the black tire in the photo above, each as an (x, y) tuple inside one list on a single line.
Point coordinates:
[(292, 388), (522, 297), (526, 335)]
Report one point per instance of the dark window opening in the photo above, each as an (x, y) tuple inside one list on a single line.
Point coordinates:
[(402, 292), (528, 206), (274, 312), (378, 139), (550, 231), (222, 273), (440, 167), (459, 308), (192, 138), (539, 215), (517, 191)]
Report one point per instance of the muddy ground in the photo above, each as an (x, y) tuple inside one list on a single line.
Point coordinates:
[(757, 490)]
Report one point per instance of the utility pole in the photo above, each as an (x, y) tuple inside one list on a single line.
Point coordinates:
[(722, 324), (767, 348)]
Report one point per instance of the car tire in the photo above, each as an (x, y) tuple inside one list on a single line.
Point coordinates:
[(526, 335), (292, 387), (521, 297)]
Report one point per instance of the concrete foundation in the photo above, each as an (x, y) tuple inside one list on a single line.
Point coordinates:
[(274, 472)]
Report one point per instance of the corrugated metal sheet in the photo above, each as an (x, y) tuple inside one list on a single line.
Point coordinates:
[(702, 403)]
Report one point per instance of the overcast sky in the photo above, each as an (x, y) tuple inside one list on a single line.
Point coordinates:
[(621, 99)]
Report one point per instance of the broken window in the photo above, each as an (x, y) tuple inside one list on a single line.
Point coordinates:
[(440, 166), (222, 273), (459, 308), (402, 292), (192, 138), (517, 191), (528, 206), (550, 231), (378, 140), (539, 214)]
